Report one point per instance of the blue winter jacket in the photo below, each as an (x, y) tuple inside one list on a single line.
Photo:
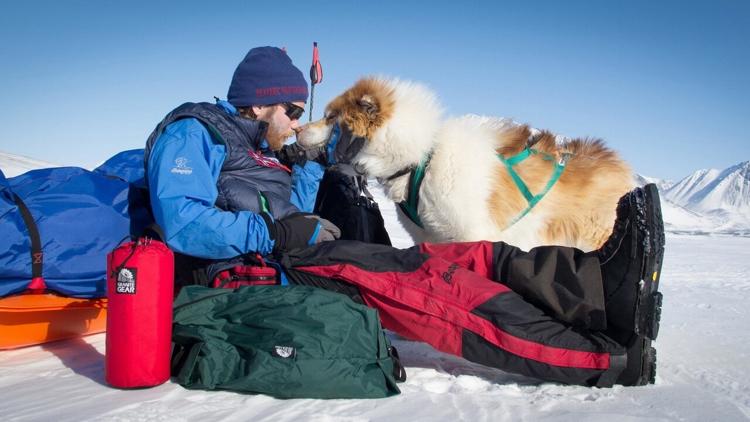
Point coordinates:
[(183, 168)]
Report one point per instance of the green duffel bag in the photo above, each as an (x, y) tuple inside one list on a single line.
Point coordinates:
[(287, 342)]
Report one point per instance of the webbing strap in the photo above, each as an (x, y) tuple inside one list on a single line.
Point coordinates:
[(409, 206), (37, 256), (512, 161), (531, 198), (332, 142)]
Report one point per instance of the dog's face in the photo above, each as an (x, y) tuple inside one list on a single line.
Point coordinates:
[(352, 119)]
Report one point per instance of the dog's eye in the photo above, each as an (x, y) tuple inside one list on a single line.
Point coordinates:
[(330, 117)]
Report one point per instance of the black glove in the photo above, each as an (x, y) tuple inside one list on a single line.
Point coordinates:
[(299, 230), (294, 154)]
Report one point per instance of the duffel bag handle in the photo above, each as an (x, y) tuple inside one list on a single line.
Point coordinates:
[(399, 373)]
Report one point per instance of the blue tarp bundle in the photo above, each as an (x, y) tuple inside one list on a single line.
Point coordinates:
[(79, 215)]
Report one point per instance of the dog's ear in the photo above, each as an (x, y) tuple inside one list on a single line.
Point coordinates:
[(369, 106)]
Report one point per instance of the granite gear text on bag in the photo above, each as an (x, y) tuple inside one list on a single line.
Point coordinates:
[(139, 323), (290, 342)]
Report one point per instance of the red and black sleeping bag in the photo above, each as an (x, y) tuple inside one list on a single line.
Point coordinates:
[(445, 295)]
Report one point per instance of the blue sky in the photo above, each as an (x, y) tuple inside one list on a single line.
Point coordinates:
[(664, 83)]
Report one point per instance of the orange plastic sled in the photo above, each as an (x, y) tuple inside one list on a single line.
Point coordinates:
[(30, 319)]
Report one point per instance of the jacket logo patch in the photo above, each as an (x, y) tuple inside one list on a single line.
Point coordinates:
[(284, 352), (448, 275), (181, 166), (126, 281)]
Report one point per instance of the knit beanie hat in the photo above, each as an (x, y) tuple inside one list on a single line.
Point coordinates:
[(266, 76)]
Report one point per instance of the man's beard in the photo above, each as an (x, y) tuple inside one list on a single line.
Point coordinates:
[(277, 138)]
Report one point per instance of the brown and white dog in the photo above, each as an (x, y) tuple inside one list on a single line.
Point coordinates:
[(467, 193)]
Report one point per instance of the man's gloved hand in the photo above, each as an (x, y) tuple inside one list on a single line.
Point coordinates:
[(300, 230), (294, 154)]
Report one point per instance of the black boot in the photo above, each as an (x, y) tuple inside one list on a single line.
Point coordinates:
[(631, 266)]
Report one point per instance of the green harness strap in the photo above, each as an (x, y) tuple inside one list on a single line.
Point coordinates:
[(531, 198), (409, 206)]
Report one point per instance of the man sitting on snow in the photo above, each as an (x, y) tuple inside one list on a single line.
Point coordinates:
[(220, 194)]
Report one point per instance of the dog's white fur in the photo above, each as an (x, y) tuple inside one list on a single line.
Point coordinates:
[(461, 177)]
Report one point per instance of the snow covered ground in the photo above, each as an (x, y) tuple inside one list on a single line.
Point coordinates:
[(703, 372), (13, 165)]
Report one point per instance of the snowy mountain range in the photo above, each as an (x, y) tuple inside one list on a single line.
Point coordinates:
[(707, 201)]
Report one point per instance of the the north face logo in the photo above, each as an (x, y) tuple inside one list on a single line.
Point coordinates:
[(126, 281), (285, 351)]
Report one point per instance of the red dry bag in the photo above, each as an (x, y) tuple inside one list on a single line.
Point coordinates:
[(139, 318)]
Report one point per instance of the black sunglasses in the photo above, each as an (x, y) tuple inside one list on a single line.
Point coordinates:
[(293, 111)]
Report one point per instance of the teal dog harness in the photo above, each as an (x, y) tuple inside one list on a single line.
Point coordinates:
[(409, 206)]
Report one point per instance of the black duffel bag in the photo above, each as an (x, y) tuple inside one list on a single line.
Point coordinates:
[(344, 200)]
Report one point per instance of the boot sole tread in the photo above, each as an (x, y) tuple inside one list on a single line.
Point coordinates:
[(648, 311)]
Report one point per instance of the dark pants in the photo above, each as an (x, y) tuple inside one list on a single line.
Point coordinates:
[(538, 313)]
